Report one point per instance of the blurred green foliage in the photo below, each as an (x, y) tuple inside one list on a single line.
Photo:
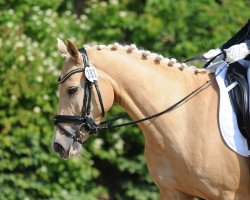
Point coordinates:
[(112, 165)]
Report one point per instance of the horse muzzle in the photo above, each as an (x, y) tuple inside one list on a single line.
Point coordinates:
[(65, 146)]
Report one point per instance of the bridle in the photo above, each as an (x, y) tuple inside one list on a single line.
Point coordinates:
[(86, 122)]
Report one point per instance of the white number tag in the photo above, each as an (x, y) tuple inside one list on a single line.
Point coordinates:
[(91, 74)]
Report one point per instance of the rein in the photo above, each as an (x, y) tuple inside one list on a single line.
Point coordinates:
[(88, 123)]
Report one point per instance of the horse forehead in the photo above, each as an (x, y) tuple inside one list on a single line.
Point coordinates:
[(66, 68), (68, 65)]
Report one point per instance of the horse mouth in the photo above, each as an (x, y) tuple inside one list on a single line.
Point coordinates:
[(63, 155)]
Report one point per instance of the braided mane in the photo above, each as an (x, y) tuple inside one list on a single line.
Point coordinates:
[(171, 62)]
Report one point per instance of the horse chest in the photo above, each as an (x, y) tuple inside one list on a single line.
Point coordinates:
[(165, 168)]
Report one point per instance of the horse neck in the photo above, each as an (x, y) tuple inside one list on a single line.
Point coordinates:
[(142, 86)]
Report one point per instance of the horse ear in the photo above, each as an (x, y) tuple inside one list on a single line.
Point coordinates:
[(72, 50), (62, 47)]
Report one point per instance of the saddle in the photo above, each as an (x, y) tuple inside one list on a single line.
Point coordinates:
[(239, 97), (237, 79)]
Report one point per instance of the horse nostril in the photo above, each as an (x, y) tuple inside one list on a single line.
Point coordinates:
[(58, 148)]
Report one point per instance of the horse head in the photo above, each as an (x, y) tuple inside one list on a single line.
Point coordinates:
[(81, 108)]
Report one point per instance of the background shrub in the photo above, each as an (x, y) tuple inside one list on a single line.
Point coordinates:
[(112, 166)]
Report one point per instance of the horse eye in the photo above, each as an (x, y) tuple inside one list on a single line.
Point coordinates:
[(72, 90)]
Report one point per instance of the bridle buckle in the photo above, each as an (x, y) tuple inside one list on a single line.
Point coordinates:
[(80, 135)]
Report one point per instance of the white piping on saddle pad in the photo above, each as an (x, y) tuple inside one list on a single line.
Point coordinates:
[(227, 118), (230, 87)]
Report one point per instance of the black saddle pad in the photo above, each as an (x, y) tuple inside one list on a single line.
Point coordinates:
[(239, 97)]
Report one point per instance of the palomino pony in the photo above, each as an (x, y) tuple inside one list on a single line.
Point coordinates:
[(185, 153)]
